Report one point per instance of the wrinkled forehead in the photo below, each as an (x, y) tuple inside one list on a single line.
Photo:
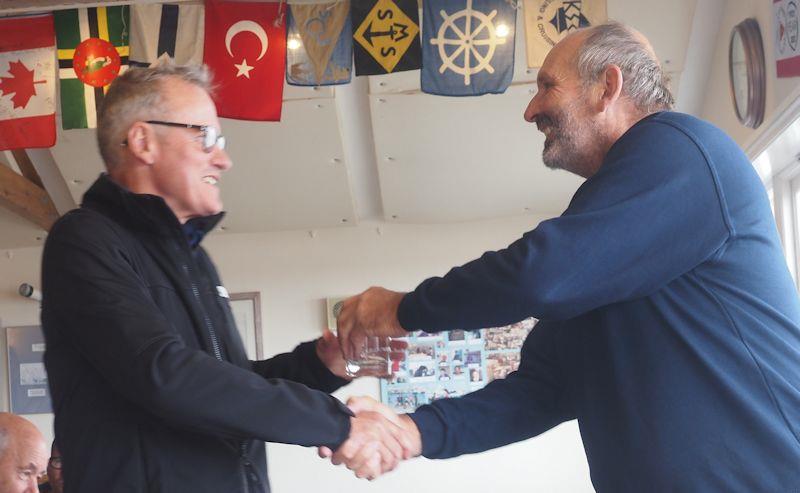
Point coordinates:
[(562, 60)]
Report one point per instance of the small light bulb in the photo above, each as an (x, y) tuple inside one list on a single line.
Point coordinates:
[(293, 43), (502, 30)]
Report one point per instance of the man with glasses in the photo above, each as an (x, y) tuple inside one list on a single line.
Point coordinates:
[(23, 455), (151, 385), (55, 481)]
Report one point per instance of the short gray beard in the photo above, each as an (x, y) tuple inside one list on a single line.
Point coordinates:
[(573, 146)]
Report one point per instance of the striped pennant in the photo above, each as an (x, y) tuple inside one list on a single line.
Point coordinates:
[(159, 30)]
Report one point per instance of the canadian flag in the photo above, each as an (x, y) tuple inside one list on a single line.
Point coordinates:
[(27, 82), (245, 47)]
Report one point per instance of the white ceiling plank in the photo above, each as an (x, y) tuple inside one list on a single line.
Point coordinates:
[(53, 181), (17, 232), (78, 159), (463, 159), (355, 126), (287, 175), (667, 25)]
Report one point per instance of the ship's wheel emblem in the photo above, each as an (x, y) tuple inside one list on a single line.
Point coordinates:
[(474, 46)]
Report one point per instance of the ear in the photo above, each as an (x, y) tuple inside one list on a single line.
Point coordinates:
[(142, 142), (611, 86)]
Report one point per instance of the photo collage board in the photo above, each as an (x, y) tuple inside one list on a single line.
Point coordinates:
[(453, 363)]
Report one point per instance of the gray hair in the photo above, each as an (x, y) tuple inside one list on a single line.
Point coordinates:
[(644, 81), (137, 95)]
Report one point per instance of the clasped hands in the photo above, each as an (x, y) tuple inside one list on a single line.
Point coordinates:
[(379, 439)]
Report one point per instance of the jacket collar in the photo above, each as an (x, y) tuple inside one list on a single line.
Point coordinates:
[(144, 212)]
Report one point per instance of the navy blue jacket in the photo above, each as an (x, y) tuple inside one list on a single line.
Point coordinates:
[(669, 324), (152, 389)]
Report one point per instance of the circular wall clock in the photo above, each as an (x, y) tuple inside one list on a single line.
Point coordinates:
[(748, 76)]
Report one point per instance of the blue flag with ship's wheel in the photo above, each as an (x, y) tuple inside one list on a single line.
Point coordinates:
[(467, 47)]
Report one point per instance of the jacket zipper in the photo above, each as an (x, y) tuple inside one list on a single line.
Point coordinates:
[(218, 354)]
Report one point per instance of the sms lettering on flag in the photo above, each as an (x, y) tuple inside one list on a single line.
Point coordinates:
[(386, 34), (27, 82), (245, 48)]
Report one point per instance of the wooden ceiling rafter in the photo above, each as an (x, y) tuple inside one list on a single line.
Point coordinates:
[(24, 195)]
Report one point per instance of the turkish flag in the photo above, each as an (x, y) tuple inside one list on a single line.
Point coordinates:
[(245, 48), (27, 82)]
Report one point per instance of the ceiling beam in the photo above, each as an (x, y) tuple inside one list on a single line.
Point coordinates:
[(26, 167), (24, 198)]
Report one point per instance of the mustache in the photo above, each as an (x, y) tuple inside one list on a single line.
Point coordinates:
[(544, 121)]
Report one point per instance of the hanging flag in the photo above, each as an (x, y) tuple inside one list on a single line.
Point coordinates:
[(92, 52), (320, 44), (27, 82), (548, 21), (387, 36), (787, 32), (245, 47), (467, 47), (166, 29)]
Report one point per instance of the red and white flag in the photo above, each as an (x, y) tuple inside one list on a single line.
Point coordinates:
[(27, 82), (245, 47)]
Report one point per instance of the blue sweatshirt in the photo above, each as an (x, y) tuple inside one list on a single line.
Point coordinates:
[(669, 324)]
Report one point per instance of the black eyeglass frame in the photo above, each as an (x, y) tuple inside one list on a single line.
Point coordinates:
[(207, 132)]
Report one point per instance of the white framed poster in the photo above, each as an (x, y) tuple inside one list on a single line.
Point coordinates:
[(246, 308), (27, 378)]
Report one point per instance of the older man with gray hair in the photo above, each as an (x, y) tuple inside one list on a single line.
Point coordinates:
[(669, 323), (23, 455), (152, 388)]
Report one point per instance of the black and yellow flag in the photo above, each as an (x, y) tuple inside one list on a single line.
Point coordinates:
[(386, 34)]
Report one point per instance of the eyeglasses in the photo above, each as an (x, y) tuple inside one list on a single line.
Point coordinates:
[(54, 462), (210, 136)]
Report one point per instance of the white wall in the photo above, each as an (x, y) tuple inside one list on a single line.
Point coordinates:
[(18, 266), (718, 107), (295, 272)]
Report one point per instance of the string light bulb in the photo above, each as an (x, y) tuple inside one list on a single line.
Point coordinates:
[(502, 30), (293, 43)]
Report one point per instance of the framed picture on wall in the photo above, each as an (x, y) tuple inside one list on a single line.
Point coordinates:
[(329, 304), (27, 379), (246, 308)]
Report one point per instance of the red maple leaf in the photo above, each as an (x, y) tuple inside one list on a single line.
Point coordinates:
[(21, 84)]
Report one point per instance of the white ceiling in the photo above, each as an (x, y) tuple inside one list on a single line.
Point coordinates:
[(383, 150)]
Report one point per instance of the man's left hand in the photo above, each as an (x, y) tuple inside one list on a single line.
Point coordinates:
[(330, 353)]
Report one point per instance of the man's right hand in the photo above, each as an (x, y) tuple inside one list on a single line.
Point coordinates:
[(378, 440), (371, 313)]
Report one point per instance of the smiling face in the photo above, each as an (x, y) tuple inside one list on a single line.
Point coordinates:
[(182, 172), (562, 111)]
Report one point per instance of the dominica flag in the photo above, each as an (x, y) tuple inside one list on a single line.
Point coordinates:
[(92, 51), (386, 34), (27, 82)]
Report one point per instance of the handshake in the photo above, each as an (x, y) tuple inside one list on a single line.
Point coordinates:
[(379, 439)]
